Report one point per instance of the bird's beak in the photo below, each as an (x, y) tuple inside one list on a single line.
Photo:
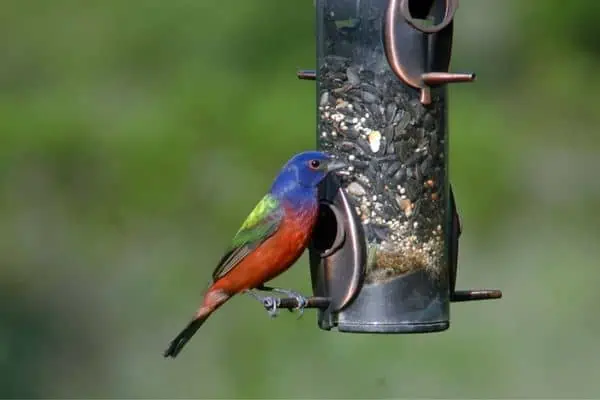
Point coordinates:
[(335, 165)]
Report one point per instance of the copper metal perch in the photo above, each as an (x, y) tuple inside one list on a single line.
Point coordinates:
[(475, 294), (307, 74), (429, 78), (458, 296), (312, 302)]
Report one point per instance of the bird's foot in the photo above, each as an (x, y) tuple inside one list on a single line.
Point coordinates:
[(270, 303), (300, 299)]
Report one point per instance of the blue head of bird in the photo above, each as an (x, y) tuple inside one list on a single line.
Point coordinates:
[(304, 172)]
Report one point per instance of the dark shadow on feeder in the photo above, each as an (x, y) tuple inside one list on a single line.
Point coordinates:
[(328, 234)]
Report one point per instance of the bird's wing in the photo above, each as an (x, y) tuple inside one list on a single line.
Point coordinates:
[(262, 222)]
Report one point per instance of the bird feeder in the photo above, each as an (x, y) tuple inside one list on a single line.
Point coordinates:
[(384, 252)]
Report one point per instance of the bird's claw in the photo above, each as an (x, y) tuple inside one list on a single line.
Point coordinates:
[(302, 303), (301, 300), (272, 305)]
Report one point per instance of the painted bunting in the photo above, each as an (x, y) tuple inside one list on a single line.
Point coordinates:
[(272, 238)]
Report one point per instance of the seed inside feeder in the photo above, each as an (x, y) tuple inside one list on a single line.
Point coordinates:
[(395, 147), (374, 141)]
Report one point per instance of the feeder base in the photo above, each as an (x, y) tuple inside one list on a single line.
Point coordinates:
[(410, 303), (395, 328)]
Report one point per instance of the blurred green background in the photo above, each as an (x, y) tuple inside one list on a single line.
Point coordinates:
[(135, 136)]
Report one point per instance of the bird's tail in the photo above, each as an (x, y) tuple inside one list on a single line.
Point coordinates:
[(192, 327)]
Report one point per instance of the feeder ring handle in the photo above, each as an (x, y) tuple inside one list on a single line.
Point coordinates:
[(451, 6)]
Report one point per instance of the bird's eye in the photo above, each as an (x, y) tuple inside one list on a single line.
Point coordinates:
[(314, 164)]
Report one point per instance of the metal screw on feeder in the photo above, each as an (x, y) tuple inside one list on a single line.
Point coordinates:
[(384, 252)]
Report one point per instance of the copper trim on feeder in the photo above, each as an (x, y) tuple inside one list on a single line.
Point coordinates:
[(393, 56), (404, 65), (338, 265), (450, 6)]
